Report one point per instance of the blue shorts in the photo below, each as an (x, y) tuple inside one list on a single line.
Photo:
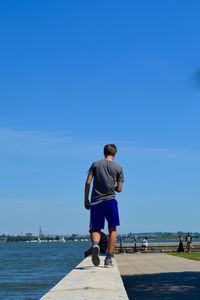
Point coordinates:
[(105, 210)]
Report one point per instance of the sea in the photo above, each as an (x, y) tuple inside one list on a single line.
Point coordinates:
[(29, 270)]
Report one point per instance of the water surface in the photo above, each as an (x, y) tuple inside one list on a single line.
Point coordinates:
[(29, 270)]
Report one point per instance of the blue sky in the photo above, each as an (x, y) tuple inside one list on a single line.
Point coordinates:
[(76, 75)]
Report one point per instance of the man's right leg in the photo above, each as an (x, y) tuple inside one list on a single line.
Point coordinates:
[(112, 216), (111, 247), (112, 239)]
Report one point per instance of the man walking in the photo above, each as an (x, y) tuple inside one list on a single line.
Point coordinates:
[(108, 178)]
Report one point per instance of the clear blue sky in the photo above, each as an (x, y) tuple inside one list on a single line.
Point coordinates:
[(75, 75)]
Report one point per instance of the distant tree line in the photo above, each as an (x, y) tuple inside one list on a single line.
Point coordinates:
[(130, 236)]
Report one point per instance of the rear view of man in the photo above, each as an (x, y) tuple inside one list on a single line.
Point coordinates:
[(108, 178)]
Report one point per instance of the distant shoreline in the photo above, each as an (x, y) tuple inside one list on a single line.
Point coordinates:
[(126, 238)]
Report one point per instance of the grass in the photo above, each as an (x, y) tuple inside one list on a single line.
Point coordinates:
[(193, 256)]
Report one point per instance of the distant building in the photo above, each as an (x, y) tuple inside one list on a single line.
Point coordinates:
[(29, 234)]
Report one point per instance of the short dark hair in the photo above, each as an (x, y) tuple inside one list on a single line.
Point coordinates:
[(110, 149)]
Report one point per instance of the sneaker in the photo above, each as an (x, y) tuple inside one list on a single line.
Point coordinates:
[(95, 255), (108, 262)]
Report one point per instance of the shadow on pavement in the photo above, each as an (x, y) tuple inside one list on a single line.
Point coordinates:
[(164, 286)]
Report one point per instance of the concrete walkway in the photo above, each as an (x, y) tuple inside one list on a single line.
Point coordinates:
[(89, 282), (159, 276)]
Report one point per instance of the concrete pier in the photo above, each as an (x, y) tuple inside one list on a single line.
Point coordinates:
[(89, 282), (141, 276)]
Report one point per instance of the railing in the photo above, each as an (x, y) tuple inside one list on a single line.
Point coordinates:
[(154, 247)]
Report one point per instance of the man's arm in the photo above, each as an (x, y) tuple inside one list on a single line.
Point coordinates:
[(87, 190), (118, 187)]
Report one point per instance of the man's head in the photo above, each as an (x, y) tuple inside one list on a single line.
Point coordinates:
[(110, 150)]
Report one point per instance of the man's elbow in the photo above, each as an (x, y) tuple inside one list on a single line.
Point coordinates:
[(88, 181)]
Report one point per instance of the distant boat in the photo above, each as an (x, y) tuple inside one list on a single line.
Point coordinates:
[(62, 240)]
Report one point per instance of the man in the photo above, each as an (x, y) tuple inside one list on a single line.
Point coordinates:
[(108, 178)]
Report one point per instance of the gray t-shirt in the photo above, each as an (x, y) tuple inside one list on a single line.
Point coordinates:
[(106, 174)]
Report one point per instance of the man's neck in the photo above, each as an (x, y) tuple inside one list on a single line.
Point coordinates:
[(109, 157)]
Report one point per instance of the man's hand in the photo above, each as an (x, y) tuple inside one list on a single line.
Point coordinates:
[(87, 204)]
